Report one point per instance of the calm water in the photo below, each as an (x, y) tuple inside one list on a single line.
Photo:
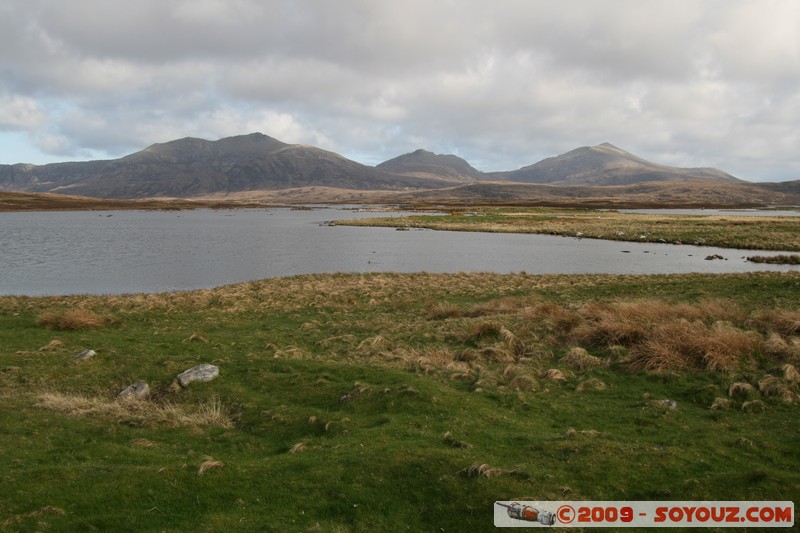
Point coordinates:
[(48, 253)]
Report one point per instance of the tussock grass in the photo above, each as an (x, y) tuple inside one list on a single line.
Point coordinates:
[(553, 374), (484, 470), (210, 413), (782, 321), (591, 384), (52, 345), (298, 447), (754, 406), (741, 390), (579, 359), (442, 311), (453, 442), (681, 345), (721, 404), (790, 373), (209, 464), (74, 319)]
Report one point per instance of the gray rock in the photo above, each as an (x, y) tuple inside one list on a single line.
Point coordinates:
[(669, 404), (204, 372), (84, 355), (138, 390)]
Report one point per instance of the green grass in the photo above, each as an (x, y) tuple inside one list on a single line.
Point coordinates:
[(364, 377), (747, 232)]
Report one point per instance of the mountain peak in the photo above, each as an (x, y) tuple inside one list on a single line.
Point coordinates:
[(606, 164), (422, 161)]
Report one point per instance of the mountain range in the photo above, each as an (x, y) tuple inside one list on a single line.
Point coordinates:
[(192, 167)]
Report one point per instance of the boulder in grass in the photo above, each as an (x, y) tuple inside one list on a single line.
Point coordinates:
[(138, 390), (84, 355), (204, 372)]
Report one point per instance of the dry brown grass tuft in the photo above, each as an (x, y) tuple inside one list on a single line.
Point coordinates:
[(209, 464), (744, 441), (740, 390), (501, 306), (75, 319), (209, 413), (579, 359), (443, 311), (591, 384), (681, 345), (453, 442), (297, 448), (788, 396), (553, 374), (372, 344), (482, 330), (613, 324), (483, 470), (790, 373), (776, 345), (523, 382), (142, 443), (556, 318), (754, 406), (52, 345), (721, 404), (780, 321), (771, 386), (195, 337), (291, 352)]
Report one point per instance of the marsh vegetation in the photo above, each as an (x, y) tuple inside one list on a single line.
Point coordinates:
[(755, 232), (386, 401)]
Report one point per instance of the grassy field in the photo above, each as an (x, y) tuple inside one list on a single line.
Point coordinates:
[(396, 402), (755, 232)]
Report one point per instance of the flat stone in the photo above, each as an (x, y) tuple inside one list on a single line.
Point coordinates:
[(84, 355), (138, 390), (204, 372)]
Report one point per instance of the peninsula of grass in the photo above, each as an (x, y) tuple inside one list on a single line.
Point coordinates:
[(746, 232), (793, 259), (388, 402)]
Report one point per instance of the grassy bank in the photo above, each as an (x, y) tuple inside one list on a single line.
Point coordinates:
[(13, 201), (757, 233), (396, 402)]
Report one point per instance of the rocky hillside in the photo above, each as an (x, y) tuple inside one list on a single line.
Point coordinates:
[(604, 164), (256, 163), (424, 163), (195, 167)]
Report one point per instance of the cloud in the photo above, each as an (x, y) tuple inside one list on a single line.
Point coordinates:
[(713, 83), (18, 112)]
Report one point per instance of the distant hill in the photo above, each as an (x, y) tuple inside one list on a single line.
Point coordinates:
[(696, 193), (604, 164), (195, 167), (423, 163), (258, 166)]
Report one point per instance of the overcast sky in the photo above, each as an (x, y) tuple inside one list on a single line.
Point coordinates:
[(502, 84)]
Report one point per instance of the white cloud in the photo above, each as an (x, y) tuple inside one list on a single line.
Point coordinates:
[(502, 84), (20, 113)]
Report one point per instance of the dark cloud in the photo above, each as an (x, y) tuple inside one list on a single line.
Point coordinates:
[(713, 83)]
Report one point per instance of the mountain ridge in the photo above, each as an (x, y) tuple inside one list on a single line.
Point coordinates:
[(604, 164), (195, 167)]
